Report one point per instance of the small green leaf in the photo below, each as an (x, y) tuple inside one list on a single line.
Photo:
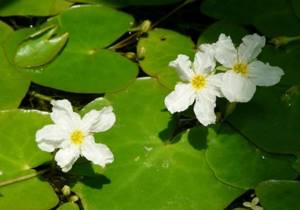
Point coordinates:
[(158, 49), (42, 47), (279, 195), (229, 152)]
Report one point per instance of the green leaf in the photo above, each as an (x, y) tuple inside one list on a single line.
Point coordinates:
[(32, 7), (31, 194), (42, 46), (212, 33), (279, 194), (13, 86), (18, 155), (159, 48), (68, 206), (19, 151), (270, 119), (83, 66), (229, 152), (149, 170)]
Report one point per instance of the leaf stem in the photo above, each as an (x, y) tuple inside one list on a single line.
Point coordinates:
[(40, 96), (22, 178), (136, 35)]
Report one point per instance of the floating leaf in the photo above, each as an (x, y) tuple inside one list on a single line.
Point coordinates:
[(18, 149), (42, 47), (13, 86), (18, 155), (159, 48), (145, 159), (32, 7), (83, 66), (270, 120), (279, 194), (31, 194), (229, 152)]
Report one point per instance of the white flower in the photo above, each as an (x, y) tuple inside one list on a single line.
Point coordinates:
[(245, 72), (199, 85), (73, 136)]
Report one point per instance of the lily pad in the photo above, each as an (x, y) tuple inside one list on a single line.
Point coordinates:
[(84, 66), (31, 194), (32, 7), (159, 48), (212, 33), (18, 155), (270, 119), (279, 194), (145, 157), (13, 86), (19, 151), (229, 151)]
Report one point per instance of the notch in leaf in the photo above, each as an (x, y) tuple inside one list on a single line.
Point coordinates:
[(40, 47)]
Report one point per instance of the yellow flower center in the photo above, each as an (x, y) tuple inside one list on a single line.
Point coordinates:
[(77, 136), (241, 68), (198, 82)]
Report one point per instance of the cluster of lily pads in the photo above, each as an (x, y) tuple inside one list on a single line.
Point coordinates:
[(119, 72)]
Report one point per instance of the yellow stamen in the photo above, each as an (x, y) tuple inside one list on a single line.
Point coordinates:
[(241, 68), (77, 136), (198, 82)]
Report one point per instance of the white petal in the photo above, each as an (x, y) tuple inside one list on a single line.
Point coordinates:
[(204, 63), (50, 137), (99, 154), (183, 65), (251, 47), (181, 98), (204, 107), (216, 80), (225, 51), (237, 88), (263, 74), (63, 115), (99, 121), (66, 157), (208, 48)]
